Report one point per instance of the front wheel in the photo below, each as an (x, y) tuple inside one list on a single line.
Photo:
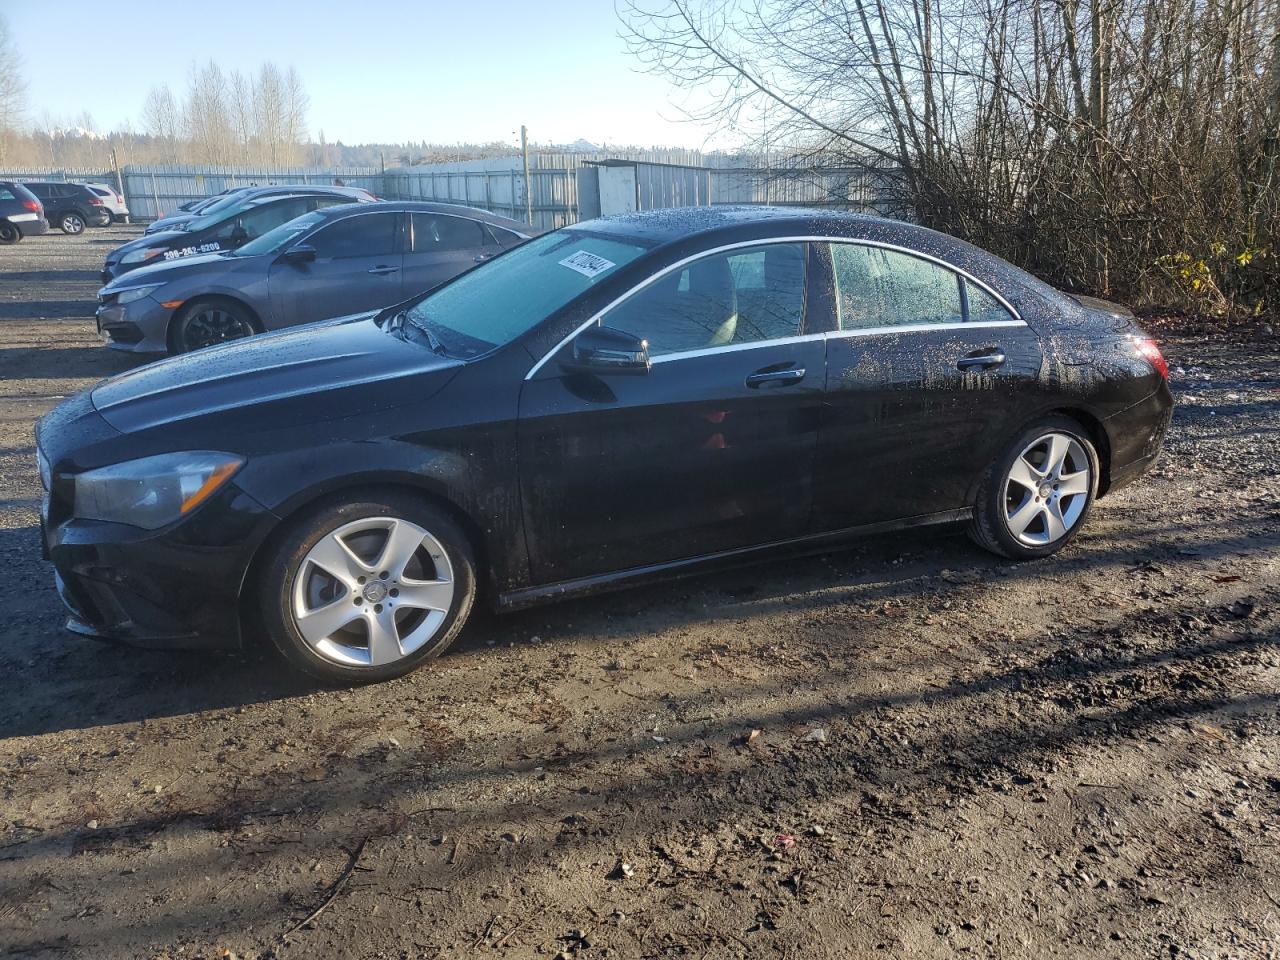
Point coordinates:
[(206, 323), (368, 589), (71, 223), (1038, 493), (9, 233)]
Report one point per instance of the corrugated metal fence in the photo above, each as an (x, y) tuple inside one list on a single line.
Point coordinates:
[(663, 179)]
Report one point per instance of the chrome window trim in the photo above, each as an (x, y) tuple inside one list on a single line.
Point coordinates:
[(734, 347), (919, 328), (769, 241)]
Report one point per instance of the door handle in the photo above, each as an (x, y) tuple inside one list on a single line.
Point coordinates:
[(379, 271), (780, 377), (985, 360)]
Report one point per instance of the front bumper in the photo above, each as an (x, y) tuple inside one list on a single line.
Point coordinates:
[(175, 588), (138, 327)]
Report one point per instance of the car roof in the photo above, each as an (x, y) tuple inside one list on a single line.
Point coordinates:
[(694, 229), (424, 206), (309, 189)]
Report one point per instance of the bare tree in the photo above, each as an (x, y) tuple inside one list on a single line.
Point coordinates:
[(13, 88), (1121, 146)]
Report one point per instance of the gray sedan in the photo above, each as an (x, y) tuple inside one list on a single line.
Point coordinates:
[(340, 260)]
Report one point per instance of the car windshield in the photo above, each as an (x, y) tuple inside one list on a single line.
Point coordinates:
[(277, 239), (492, 305)]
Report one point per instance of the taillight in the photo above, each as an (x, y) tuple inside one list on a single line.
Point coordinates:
[(1147, 347), (32, 205), (95, 201)]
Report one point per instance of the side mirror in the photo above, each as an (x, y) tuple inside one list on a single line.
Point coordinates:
[(605, 350), (302, 253)]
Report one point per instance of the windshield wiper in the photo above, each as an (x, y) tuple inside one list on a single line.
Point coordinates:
[(432, 340)]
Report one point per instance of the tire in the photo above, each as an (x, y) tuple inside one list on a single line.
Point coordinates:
[(71, 223), (206, 323), (1038, 493), (104, 219), (9, 233), (390, 533)]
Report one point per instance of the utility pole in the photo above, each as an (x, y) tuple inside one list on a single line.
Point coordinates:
[(528, 186)]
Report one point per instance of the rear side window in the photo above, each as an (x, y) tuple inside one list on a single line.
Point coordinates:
[(885, 288), (7, 194), (100, 192), (983, 307), (371, 235), (434, 233)]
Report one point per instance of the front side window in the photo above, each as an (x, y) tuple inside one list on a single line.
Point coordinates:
[(258, 220), (886, 288), (503, 299), (370, 235), (745, 296)]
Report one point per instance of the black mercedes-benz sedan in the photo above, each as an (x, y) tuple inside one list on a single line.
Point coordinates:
[(623, 399)]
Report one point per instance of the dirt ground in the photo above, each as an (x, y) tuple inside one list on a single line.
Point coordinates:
[(908, 749)]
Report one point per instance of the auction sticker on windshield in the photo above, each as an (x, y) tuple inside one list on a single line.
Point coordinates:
[(587, 264)]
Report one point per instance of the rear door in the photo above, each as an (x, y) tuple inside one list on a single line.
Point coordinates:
[(928, 375), (440, 248), (357, 267)]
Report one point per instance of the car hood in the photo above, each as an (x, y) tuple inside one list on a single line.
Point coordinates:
[(171, 223), (281, 375), (167, 270)]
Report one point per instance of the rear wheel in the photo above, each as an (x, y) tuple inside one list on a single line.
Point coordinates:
[(368, 589), (9, 233), (206, 323), (1038, 494), (71, 223)]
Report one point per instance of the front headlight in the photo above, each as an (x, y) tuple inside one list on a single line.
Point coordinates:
[(153, 491), (138, 256), (136, 293)]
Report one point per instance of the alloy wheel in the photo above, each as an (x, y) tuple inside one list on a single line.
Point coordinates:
[(1047, 489), (72, 223), (372, 592), (212, 325)]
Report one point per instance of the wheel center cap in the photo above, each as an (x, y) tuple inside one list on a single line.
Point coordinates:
[(375, 591), (1046, 490)]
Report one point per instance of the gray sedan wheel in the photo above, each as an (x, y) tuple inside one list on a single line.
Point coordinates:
[(207, 323)]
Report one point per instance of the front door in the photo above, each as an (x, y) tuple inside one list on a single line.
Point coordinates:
[(928, 376), (356, 268), (709, 451)]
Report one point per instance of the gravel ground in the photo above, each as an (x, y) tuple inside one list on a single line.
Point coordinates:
[(910, 747)]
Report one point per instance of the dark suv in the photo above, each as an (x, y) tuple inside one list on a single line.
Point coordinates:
[(70, 206), (21, 213)]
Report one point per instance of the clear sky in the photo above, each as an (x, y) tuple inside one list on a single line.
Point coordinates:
[(443, 71)]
